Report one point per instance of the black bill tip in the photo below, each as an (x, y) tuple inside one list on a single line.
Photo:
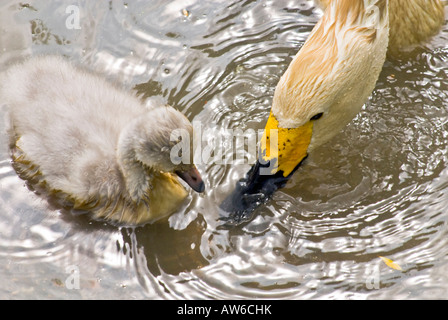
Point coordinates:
[(193, 179), (251, 192)]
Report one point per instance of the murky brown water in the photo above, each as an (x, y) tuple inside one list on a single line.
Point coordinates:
[(380, 188)]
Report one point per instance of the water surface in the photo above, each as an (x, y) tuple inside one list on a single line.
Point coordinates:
[(379, 188)]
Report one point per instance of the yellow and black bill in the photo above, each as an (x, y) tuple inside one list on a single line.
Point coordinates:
[(281, 152)]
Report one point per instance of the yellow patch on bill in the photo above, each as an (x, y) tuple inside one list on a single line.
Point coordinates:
[(287, 146)]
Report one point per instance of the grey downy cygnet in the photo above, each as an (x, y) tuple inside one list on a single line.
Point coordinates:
[(91, 143)]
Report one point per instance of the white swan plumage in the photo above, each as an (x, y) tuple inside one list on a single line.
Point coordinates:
[(412, 23), (328, 82), (336, 70), (91, 144)]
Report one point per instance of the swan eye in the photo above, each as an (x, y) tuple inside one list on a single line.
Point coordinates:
[(317, 116)]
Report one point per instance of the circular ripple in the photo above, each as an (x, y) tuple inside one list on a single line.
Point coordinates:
[(379, 188)]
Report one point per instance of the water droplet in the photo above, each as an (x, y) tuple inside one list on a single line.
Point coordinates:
[(239, 68)]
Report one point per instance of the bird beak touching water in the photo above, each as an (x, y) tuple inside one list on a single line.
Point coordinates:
[(281, 152), (192, 178)]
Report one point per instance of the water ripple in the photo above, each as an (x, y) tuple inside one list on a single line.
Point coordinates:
[(379, 188)]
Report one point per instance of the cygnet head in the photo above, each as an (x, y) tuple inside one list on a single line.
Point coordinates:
[(157, 140)]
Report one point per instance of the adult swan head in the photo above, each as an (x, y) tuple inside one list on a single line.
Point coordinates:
[(324, 87)]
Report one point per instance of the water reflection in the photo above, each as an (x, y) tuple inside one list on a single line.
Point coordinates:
[(166, 250), (378, 189)]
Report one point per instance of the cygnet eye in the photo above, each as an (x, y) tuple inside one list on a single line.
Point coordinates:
[(317, 116)]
